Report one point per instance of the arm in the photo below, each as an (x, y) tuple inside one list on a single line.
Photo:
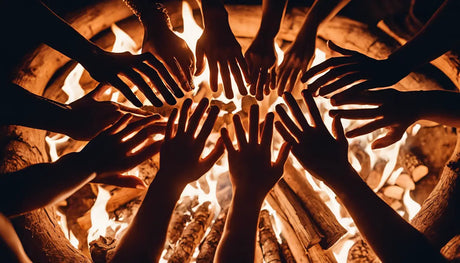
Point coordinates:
[(316, 149), (251, 182), (222, 50), (11, 248), (102, 160), (160, 40), (180, 164), (300, 54), (261, 55)]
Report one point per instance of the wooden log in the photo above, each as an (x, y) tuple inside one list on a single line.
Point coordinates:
[(405, 181), (412, 164), (209, 246), (318, 255), (361, 252), (324, 219), (286, 251), (451, 251), (193, 234), (376, 174), (100, 249), (363, 158), (267, 239)]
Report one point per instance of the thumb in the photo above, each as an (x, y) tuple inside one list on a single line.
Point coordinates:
[(120, 180)]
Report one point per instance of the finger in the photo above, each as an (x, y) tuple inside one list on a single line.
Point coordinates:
[(170, 124), (267, 132), (208, 125), (136, 111), (179, 74), (207, 162), (341, 50), (261, 81), (337, 130), (340, 83), (357, 114), (292, 79), (119, 125), (283, 78), (254, 124), (126, 91), (296, 111), (135, 126), (143, 87), (120, 180), (196, 117), (267, 85), (331, 62), (313, 109), (237, 76), (364, 97), (187, 66), (284, 133), (283, 155), (140, 137), (227, 141), (157, 82), (391, 137), (243, 66), (287, 121), (368, 128), (183, 116), (273, 79), (144, 154), (331, 75), (164, 73), (199, 53), (213, 74), (98, 91), (239, 132), (225, 74), (252, 70)]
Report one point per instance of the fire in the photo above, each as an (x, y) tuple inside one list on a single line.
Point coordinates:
[(100, 219)]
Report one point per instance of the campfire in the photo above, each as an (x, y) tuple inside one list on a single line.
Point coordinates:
[(301, 220)]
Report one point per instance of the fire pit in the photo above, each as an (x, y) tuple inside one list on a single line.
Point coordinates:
[(301, 220)]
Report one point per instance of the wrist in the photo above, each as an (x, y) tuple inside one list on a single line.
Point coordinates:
[(249, 196), (167, 182), (77, 163)]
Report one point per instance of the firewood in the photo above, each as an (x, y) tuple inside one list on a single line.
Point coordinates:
[(405, 181), (363, 157), (361, 252), (376, 174), (100, 249), (318, 255), (286, 251), (412, 164), (393, 191), (451, 251), (209, 245), (193, 233), (267, 239), (320, 213)]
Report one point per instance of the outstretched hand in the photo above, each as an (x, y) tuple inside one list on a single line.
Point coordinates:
[(180, 155), (353, 67), (222, 52), (106, 67), (120, 148), (251, 168), (261, 59), (396, 111), (313, 146), (88, 116)]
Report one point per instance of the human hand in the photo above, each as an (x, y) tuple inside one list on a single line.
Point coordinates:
[(313, 146), (251, 168), (261, 59), (88, 116), (106, 67), (297, 58), (180, 155), (351, 68), (221, 48), (172, 51), (396, 111), (120, 148)]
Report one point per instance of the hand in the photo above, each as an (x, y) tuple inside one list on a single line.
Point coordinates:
[(261, 59), (219, 46), (173, 52), (251, 168), (297, 58), (106, 67), (88, 116), (396, 111), (321, 154), (351, 68), (120, 148), (180, 155)]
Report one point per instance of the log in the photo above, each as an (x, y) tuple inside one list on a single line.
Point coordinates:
[(267, 239), (318, 255), (324, 219), (376, 174), (209, 246), (100, 249), (412, 164), (286, 251), (451, 251), (405, 181), (193, 234), (361, 252), (363, 158)]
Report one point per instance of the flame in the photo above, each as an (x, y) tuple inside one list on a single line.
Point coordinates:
[(412, 207)]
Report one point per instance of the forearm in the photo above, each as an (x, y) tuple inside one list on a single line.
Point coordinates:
[(214, 11), (272, 14), (42, 184), (442, 107), (151, 14), (239, 235), (433, 40), (150, 224), (389, 235)]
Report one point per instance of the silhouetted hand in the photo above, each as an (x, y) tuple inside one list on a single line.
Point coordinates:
[(251, 168), (261, 59), (396, 111), (297, 59), (174, 53), (351, 68), (120, 148), (106, 67), (221, 48), (313, 146), (180, 155), (88, 116)]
